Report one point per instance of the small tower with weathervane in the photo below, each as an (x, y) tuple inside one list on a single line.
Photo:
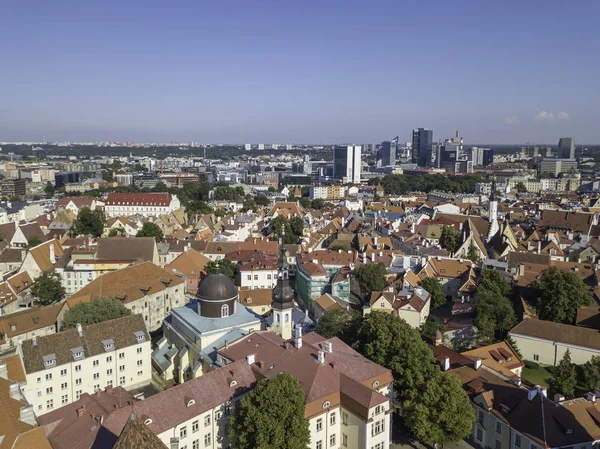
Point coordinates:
[(283, 296)]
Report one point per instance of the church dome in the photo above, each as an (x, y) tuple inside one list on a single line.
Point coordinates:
[(217, 296)]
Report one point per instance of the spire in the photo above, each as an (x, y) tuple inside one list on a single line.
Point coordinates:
[(493, 195), (283, 294)]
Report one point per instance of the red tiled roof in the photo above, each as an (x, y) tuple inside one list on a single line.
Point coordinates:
[(138, 199)]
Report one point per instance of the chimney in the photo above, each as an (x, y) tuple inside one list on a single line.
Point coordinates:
[(590, 396), (539, 248), (298, 335), (321, 356), (80, 411), (52, 254), (532, 393), (477, 364), (438, 338), (521, 269), (226, 344), (250, 358), (79, 330), (328, 347), (446, 363), (34, 339), (558, 398), (375, 241)]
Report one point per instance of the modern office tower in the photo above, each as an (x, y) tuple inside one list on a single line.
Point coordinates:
[(346, 163), (566, 148), (387, 152), (247, 147), (422, 146), (481, 156)]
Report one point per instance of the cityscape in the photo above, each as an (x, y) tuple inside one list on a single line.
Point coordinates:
[(300, 225)]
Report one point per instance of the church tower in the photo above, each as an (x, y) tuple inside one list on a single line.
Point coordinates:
[(493, 213), (283, 295)]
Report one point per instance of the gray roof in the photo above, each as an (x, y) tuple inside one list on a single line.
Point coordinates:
[(217, 287), (189, 315), (118, 248), (298, 317), (65, 344)]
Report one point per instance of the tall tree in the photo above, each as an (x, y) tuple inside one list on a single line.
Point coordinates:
[(564, 377), (297, 226), (473, 254), (88, 222), (371, 277), (494, 312), (339, 323), (47, 289), (449, 238), (223, 266), (150, 230), (49, 190), (433, 286), (279, 224), (271, 416), (591, 373), (560, 295), (99, 309)]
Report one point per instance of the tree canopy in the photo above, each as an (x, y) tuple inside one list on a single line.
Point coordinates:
[(49, 190), (560, 295), (401, 184), (297, 226), (88, 222), (433, 404), (494, 312), (279, 224), (150, 230), (271, 416), (591, 373), (32, 241), (449, 238), (223, 266), (339, 323), (564, 377), (433, 286), (371, 277), (47, 289), (99, 309)]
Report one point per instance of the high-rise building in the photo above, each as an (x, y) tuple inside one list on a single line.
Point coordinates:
[(346, 163), (566, 148), (422, 143), (481, 156), (387, 152)]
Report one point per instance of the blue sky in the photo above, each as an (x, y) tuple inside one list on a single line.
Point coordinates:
[(299, 71)]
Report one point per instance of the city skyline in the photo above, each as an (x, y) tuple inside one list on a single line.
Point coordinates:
[(299, 73)]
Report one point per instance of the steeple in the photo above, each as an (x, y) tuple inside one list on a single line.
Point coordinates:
[(493, 212), (282, 296)]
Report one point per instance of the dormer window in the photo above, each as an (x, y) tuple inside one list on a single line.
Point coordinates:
[(109, 345), (233, 383), (148, 421), (140, 336), (191, 402), (49, 360), (376, 384), (77, 353)]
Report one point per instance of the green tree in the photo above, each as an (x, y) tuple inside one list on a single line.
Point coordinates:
[(433, 404), (520, 187), (591, 373), (262, 200), (304, 202), (99, 309), (564, 377), (116, 231), (433, 286), (473, 254), (560, 295), (47, 289), (88, 222), (33, 241), (340, 246), (150, 230), (49, 190), (297, 226), (339, 323), (371, 277), (317, 203), (223, 266), (494, 312), (449, 238), (271, 416), (280, 223)]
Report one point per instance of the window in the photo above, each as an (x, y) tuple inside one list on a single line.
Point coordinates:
[(122, 380), (78, 394), (218, 415), (249, 277), (479, 434), (319, 445), (122, 368), (109, 359), (49, 404), (109, 383), (498, 427), (319, 424), (39, 380), (78, 381), (517, 440), (122, 354), (332, 440), (345, 418), (63, 372), (109, 372), (77, 368), (207, 440), (256, 277), (195, 426), (65, 399), (49, 376), (96, 363), (139, 363), (332, 419), (139, 350), (536, 357), (498, 444), (49, 390), (96, 387), (63, 386), (378, 410), (39, 394), (268, 277), (207, 421), (196, 444), (377, 446), (96, 376), (224, 310), (480, 417), (378, 427), (140, 373), (183, 432), (344, 439)]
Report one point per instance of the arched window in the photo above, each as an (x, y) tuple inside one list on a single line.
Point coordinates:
[(224, 310), (287, 318)]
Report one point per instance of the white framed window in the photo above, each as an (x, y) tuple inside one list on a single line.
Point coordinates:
[(498, 427), (121, 368), (517, 440), (319, 445), (96, 363), (378, 427), (207, 421), (183, 432), (63, 372), (139, 363), (195, 426), (49, 376), (78, 381), (319, 424), (332, 440), (109, 372), (49, 404), (122, 380), (49, 390), (345, 418), (224, 310), (65, 399), (536, 357), (332, 419), (139, 350), (63, 386), (207, 440), (109, 359), (96, 376)]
